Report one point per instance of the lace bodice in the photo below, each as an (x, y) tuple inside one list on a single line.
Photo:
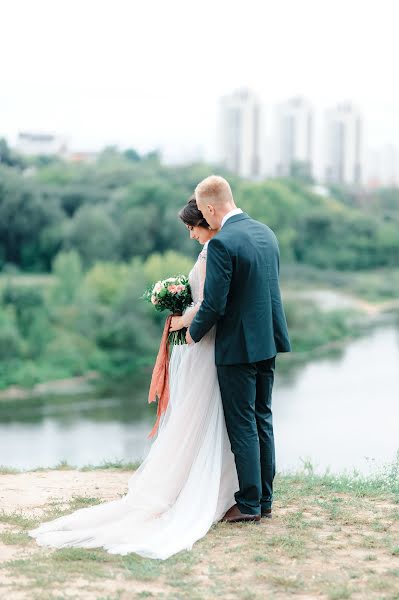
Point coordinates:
[(197, 282), (197, 277)]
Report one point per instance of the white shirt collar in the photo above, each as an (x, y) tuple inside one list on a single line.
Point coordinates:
[(232, 213)]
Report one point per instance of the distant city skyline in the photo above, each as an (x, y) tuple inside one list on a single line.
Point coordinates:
[(241, 132), (344, 149), (294, 135), (176, 148), (103, 73), (259, 140), (380, 163)]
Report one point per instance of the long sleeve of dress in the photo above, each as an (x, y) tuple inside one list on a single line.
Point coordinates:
[(191, 311)]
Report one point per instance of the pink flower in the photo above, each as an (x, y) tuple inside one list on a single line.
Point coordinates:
[(154, 300), (180, 287), (173, 289)]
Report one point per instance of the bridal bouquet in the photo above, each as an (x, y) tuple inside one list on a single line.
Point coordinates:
[(173, 294)]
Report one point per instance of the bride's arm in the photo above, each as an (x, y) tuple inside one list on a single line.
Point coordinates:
[(190, 313)]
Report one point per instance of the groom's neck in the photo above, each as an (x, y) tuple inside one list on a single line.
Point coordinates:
[(225, 210)]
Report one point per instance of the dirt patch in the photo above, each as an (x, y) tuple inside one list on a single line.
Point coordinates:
[(31, 492), (320, 544)]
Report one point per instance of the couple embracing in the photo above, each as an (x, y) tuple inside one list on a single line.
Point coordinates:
[(213, 458)]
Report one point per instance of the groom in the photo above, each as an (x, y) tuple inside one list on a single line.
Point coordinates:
[(242, 297)]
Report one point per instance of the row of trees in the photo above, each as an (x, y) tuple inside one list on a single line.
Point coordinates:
[(104, 232), (96, 320), (124, 206), (81, 320)]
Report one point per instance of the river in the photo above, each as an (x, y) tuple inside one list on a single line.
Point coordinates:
[(340, 413)]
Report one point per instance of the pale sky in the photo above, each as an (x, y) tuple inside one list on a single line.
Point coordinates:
[(149, 74)]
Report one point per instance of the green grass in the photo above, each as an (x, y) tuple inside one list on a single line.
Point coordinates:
[(319, 522), (18, 519), (339, 592), (8, 470), (15, 538), (113, 465), (384, 480), (357, 484)]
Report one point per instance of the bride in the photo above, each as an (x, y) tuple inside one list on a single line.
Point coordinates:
[(188, 480)]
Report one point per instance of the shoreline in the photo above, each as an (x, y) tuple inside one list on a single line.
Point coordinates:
[(85, 384), (376, 314), (68, 386)]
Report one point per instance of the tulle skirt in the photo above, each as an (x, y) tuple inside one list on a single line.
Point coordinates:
[(186, 483)]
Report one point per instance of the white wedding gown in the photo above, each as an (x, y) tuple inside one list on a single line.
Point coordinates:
[(188, 480)]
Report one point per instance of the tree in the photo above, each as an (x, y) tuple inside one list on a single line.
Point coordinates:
[(139, 232), (301, 170), (8, 157), (31, 316), (67, 269), (161, 266), (132, 154), (94, 235), (25, 213), (75, 195)]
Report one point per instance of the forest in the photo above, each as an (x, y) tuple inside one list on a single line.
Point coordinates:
[(80, 242)]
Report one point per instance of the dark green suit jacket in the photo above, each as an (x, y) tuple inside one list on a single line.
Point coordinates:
[(242, 294)]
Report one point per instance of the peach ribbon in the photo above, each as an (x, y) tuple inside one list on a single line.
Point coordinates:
[(159, 387)]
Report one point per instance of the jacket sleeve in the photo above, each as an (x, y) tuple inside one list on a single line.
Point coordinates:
[(219, 271)]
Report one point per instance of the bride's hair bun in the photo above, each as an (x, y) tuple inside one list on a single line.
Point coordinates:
[(191, 215)]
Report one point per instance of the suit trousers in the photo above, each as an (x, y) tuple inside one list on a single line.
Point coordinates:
[(246, 391)]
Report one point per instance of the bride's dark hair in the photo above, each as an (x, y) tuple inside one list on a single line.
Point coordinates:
[(191, 215)]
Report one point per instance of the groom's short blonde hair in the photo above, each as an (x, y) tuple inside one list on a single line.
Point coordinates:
[(214, 188)]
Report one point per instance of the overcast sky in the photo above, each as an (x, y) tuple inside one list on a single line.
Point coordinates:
[(149, 73)]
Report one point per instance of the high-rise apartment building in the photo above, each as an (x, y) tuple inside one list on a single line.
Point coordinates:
[(294, 136), (343, 145), (241, 133)]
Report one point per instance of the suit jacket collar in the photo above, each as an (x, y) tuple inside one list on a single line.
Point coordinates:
[(236, 218)]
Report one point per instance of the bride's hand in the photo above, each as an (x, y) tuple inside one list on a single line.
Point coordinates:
[(176, 324)]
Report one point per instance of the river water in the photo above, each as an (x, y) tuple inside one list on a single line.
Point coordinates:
[(340, 413)]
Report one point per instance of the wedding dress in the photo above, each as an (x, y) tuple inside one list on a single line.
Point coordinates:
[(187, 481)]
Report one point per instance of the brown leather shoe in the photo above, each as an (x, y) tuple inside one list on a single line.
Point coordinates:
[(234, 515), (266, 513)]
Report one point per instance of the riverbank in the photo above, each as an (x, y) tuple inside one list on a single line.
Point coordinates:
[(322, 322), (64, 387), (331, 538)]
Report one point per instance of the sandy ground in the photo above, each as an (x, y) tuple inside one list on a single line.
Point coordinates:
[(320, 545), (32, 492)]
